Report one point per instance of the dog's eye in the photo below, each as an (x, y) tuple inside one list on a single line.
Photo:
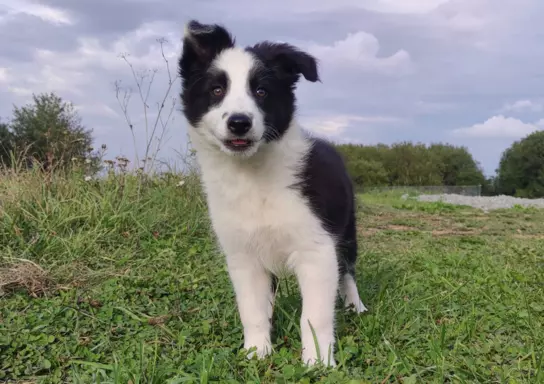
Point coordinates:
[(217, 91), (261, 92)]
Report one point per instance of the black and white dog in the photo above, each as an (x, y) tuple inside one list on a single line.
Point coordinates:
[(279, 200)]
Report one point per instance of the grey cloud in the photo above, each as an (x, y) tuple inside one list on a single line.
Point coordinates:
[(23, 34), (461, 76), (106, 17)]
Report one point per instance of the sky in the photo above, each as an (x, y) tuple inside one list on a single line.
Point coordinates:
[(466, 72)]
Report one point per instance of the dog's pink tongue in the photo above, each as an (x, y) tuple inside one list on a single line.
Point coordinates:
[(239, 142)]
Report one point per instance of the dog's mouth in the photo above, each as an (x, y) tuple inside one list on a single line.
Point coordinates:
[(238, 144)]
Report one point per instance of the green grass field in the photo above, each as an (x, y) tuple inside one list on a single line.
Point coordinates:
[(121, 282)]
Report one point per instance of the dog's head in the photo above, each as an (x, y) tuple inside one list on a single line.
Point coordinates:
[(239, 99)]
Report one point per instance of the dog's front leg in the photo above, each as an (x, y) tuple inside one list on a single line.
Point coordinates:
[(317, 274), (252, 285)]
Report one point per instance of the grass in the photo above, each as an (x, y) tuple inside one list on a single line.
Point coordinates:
[(120, 281)]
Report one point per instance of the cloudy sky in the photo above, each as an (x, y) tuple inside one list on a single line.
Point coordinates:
[(468, 72)]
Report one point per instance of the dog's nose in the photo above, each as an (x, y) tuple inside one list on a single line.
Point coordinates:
[(239, 124)]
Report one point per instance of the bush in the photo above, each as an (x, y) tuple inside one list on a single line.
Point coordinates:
[(49, 132), (409, 164), (521, 168)]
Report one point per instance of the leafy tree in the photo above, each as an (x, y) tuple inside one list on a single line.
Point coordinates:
[(6, 144), (407, 163), (51, 131), (456, 165), (521, 168), (367, 172), (411, 164), (365, 164)]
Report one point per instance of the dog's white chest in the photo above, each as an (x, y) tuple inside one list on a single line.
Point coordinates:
[(266, 222)]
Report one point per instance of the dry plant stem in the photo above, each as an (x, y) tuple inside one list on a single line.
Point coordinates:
[(151, 131), (188, 157), (171, 82), (143, 99), (124, 108)]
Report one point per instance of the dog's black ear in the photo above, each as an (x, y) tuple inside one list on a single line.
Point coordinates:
[(201, 44), (289, 59)]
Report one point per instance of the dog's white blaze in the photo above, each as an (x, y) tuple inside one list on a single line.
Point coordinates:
[(237, 64)]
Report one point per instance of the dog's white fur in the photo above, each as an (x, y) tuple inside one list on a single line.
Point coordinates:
[(237, 64), (273, 231), (264, 226)]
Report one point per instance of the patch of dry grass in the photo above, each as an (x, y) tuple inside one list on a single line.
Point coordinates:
[(24, 274)]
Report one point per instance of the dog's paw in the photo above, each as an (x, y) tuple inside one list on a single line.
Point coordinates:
[(312, 360), (357, 307), (310, 356), (260, 350)]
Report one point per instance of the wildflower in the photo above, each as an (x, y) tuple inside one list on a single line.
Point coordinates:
[(88, 178), (122, 161), (181, 183), (87, 161)]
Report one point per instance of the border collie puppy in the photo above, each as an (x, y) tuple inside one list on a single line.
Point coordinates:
[(279, 200)]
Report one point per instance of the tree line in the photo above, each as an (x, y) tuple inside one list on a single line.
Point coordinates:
[(48, 132), (410, 164)]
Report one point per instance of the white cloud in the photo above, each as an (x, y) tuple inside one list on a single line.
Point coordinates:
[(525, 105), (402, 6), (92, 52), (3, 75), (360, 51), (499, 127), (74, 72), (271, 9), (97, 109), (488, 25), (465, 22), (333, 126), (46, 13), (467, 15), (20, 91), (464, 16)]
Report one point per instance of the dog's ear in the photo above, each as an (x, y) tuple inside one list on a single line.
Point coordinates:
[(201, 44), (289, 59)]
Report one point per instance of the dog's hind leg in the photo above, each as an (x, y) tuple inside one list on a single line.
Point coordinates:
[(348, 257), (350, 294)]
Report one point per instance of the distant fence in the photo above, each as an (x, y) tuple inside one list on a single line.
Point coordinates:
[(465, 190)]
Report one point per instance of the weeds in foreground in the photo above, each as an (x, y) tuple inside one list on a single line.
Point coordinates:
[(135, 290)]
